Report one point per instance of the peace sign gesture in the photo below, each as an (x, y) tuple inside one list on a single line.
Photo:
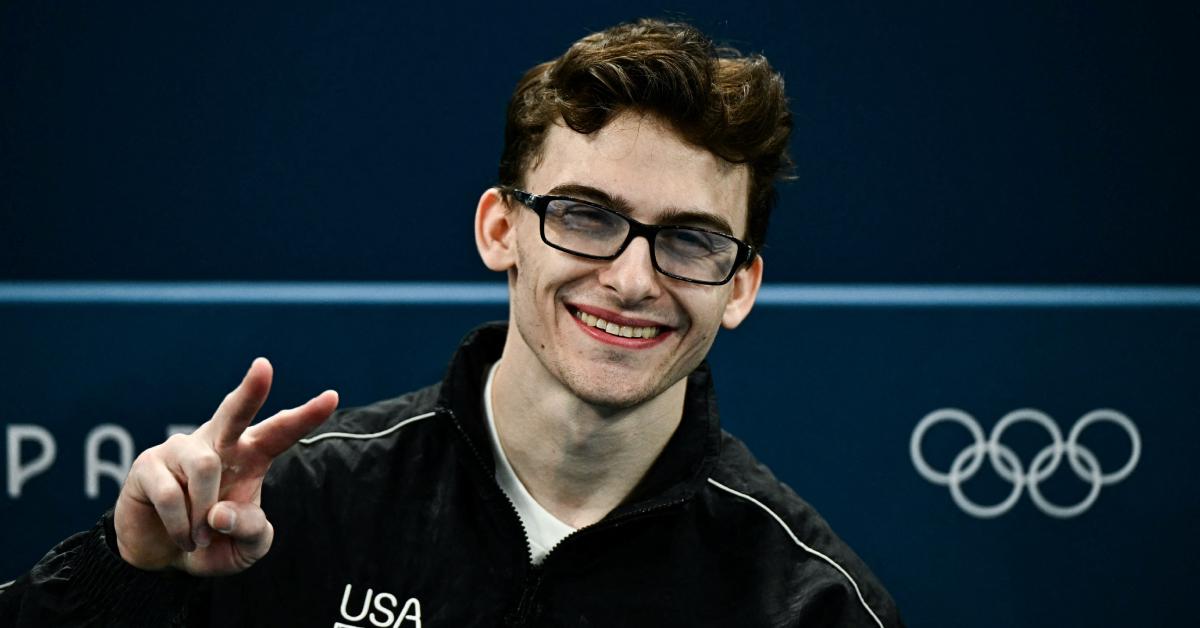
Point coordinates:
[(193, 502)]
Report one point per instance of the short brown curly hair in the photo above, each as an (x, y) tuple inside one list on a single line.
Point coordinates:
[(731, 104)]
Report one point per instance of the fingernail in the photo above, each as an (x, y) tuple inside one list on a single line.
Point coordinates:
[(203, 536), (230, 516)]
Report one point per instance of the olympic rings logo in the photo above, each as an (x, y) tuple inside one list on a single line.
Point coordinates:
[(1006, 463)]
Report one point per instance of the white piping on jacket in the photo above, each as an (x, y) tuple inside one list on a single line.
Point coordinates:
[(312, 439), (801, 544)]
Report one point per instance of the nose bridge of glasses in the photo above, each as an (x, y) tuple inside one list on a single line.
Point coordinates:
[(638, 244), (634, 268), (656, 257), (640, 230)]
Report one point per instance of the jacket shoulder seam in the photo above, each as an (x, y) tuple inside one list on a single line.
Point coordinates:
[(351, 436), (801, 544)]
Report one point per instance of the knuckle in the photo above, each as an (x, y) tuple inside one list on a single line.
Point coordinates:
[(143, 473), (165, 494), (145, 459), (202, 462)]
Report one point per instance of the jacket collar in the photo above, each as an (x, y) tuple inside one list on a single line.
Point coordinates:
[(679, 471)]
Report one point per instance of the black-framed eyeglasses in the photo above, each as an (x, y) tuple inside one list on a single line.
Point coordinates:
[(596, 232)]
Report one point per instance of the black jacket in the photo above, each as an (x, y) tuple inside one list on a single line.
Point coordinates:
[(391, 512)]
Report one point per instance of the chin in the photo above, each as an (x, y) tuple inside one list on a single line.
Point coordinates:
[(606, 399), (592, 390)]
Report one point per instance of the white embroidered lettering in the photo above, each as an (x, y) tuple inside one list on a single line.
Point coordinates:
[(365, 607), (388, 611), (412, 610), (380, 610)]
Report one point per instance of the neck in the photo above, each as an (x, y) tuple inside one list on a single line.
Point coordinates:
[(579, 461)]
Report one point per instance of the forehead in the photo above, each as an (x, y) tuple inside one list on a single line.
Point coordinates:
[(646, 164)]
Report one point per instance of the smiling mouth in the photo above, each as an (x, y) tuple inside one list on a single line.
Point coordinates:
[(613, 328)]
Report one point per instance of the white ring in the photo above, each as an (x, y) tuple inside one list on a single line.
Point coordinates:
[(1025, 414), (937, 416), (1135, 443), (1008, 465), (1066, 512), (986, 512)]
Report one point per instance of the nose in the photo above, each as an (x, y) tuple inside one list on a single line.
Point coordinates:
[(631, 276)]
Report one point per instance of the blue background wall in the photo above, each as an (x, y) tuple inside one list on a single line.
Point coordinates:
[(937, 143)]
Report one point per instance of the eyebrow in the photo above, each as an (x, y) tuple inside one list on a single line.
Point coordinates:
[(670, 216)]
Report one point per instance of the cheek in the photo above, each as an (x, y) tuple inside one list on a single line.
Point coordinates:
[(525, 270), (532, 291), (704, 306)]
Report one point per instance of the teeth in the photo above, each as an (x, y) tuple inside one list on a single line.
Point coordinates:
[(625, 331)]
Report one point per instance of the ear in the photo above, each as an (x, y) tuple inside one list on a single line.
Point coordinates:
[(745, 289), (495, 231)]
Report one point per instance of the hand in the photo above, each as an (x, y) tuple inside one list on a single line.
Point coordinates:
[(193, 502)]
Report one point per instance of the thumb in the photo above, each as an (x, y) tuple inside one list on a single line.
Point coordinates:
[(246, 526)]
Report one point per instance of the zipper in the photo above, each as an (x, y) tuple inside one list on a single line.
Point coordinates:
[(535, 573), (483, 466), (604, 524)]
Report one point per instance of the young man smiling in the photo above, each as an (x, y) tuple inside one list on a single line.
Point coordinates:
[(570, 469), (582, 411)]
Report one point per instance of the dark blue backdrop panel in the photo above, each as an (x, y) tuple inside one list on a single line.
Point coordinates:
[(935, 141), (829, 397), (857, 382)]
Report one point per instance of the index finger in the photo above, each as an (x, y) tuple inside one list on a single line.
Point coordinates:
[(238, 408), (274, 435)]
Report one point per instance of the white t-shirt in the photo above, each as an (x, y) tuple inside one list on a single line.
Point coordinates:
[(542, 529)]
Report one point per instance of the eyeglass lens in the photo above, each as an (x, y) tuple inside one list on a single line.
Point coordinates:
[(680, 251)]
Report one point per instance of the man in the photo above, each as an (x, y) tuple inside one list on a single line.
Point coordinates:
[(570, 469)]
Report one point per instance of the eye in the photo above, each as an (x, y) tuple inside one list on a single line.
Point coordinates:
[(580, 217), (693, 243)]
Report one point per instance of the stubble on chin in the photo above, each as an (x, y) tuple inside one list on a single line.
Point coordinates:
[(612, 391), (598, 375)]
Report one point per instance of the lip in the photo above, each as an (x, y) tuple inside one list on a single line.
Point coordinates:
[(619, 341), (613, 317)]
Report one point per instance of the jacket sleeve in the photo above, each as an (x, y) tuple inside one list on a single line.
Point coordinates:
[(850, 617), (84, 582), (839, 605)]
